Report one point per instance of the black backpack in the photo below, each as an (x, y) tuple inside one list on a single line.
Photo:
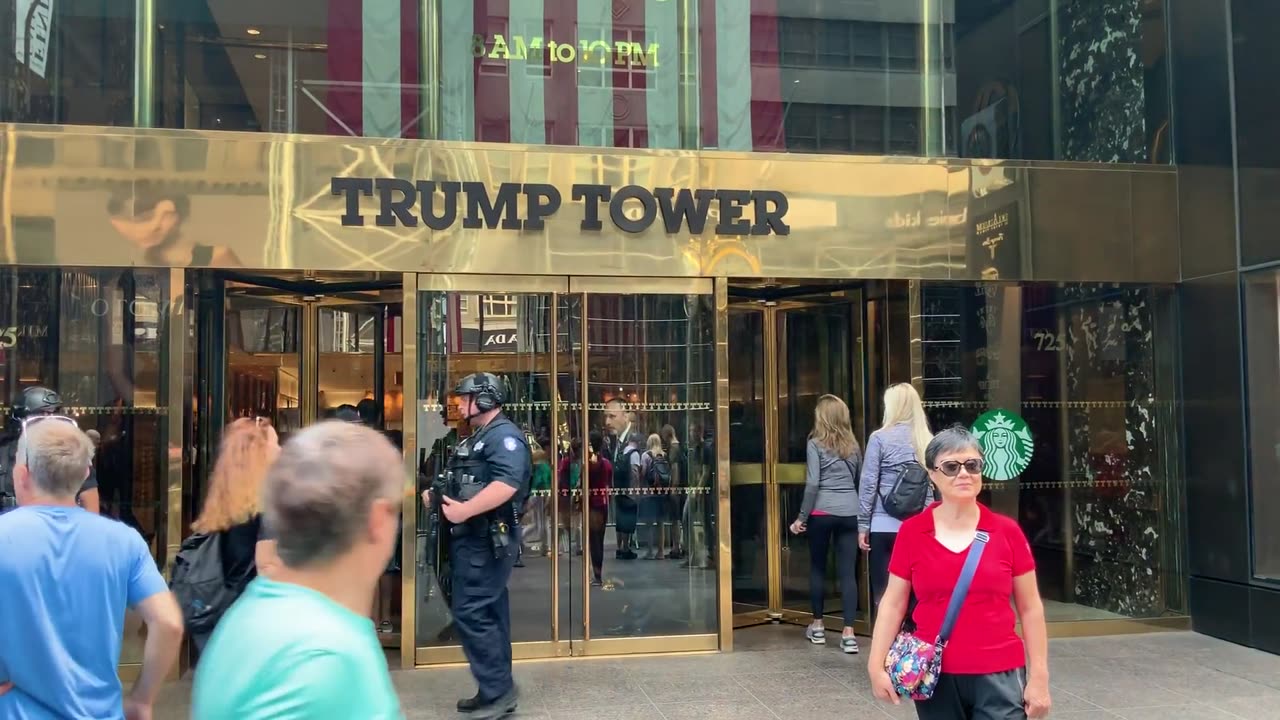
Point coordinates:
[(203, 591), (908, 494), (658, 474)]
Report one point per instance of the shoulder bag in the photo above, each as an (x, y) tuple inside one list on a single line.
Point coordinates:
[(913, 664)]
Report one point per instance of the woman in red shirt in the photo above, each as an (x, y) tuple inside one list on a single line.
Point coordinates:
[(987, 671)]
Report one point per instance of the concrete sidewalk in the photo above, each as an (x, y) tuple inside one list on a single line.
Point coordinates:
[(774, 674)]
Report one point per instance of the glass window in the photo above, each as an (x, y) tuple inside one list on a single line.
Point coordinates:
[(1089, 84), (1019, 82), (868, 45), (67, 62), (1262, 317), (585, 73), (329, 68), (904, 46), (98, 338), (1081, 374)]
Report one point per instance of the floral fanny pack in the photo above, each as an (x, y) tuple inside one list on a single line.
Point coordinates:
[(914, 664)]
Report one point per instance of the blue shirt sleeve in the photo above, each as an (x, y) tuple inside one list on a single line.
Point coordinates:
[(508, 458), (145, 579)]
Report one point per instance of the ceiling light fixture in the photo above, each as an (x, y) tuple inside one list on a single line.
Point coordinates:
[(253, 31), (260, 56)]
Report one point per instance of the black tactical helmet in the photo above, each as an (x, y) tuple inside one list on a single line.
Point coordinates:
[(346, 413), (485, 387), (35, 400)]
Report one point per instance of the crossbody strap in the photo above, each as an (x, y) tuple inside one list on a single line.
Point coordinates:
[(962, 584)]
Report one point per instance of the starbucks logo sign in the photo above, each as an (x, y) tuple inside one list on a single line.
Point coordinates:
[(1006, 444)]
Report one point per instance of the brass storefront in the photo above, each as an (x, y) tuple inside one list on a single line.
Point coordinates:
[(597, 288)]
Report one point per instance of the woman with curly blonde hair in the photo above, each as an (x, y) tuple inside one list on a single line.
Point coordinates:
[(233, 506)]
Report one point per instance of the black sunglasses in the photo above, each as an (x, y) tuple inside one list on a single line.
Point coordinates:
[(951, 468)]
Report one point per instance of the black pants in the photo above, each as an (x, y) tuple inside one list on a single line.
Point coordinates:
[(823, 530), (881, 550), (482, 611), (599, 517), (997, 696)]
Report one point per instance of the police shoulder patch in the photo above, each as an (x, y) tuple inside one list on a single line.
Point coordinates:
[(510, 444)]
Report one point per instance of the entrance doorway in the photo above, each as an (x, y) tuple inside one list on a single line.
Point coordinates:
[(294, 349), (791, 345)]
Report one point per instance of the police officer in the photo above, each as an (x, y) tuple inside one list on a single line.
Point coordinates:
[(33, 401), (487, 479)]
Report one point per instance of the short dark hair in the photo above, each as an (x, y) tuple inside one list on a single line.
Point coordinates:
[(953, 439)]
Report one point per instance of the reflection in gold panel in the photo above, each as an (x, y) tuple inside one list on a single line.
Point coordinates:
[(174, 198)]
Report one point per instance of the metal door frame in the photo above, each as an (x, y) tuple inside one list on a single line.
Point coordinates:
[(774, 356)]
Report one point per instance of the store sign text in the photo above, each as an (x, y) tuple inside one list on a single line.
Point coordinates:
[(631, 208), (9, 335), (600, 52)]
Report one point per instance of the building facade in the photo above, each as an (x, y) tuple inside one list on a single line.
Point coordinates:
[(1229, 254), (712, 212)]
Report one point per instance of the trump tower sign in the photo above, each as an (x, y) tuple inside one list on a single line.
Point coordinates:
[(440, 204)]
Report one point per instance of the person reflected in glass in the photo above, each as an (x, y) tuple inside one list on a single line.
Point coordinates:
[(151, 217), (625, 457), (570, 472), (829, 514), (677, 500), (233, 507), (600, 476), (898, 443), (655, 483), (536, 512), (988, 670)]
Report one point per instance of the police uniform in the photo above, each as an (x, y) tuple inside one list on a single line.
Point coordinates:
[(483, 551)]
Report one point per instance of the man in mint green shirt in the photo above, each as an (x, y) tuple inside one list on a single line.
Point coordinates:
[(300, 644)]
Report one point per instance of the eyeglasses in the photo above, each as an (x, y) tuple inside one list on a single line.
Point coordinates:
[(28, 422), (951, 468)]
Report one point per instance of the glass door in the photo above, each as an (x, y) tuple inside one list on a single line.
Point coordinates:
[(510, 327), (619, 550), (786, 354)]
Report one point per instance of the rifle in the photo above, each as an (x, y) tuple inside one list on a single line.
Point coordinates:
[(434, 618)]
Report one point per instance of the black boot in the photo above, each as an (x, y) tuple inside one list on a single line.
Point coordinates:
[(499, 708), (466, 705)]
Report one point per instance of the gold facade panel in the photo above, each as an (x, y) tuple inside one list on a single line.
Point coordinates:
[(176, 198)]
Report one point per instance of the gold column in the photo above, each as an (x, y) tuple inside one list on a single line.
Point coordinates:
[(585, 419), (1064, 464), (309, 359), (915, 324), (772, 506), (178, 409), (144, 63), (409, 512), (553, 458), (724, 559)]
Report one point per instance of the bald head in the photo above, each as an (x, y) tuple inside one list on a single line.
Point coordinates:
[(320, 492), (56, 456)]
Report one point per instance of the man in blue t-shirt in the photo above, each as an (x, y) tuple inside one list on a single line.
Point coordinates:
[(66, 578)]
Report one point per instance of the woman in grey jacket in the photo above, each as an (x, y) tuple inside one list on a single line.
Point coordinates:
[(900, 441), (829, 513)]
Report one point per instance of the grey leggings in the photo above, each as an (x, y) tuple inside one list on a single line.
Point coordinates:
[(994, 696)]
